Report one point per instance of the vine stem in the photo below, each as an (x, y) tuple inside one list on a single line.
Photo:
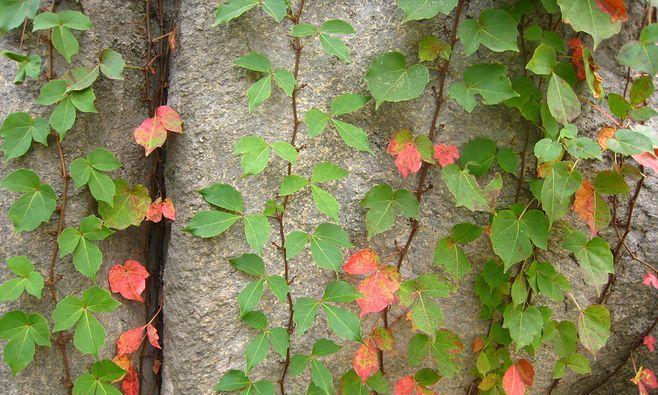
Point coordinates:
[(420, 190), (61, 208), (297, 46)]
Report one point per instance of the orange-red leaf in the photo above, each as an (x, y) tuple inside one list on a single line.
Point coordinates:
[(151, 134), (365, 261), (130, 340), (169, 118), (152, 334), (648, 159), (584, 205), (160, 208), (605, 133), (478, 344), (168, 209), (650, 342), (408, 160), (650, 280), (445, 154), (615, 8), (130, 383), (122, 361), (128, 279), (378, 290), (383, 339), (365, 360), (518, 377), (645, 380), (405, 386)]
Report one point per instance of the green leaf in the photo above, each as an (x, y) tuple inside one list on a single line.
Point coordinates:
[(642, 55), (510, 238), (18, 131), (340, 292), (112, 64), (519, 290), (292, 184), (256, 351), (344, 323), (232, 9), (80, 78), (255, 61), (488, 80), (327, 171), (87, 170), (128, 207), (390, 80), (586, 16), (285, 79), (641, 90), (255, 154), (449, 255), (478, 155), (543, 60), (279, 287), (446, 348), (425, 9), (563, 336), (426, 315), (537, 226), (431, 47), (594, 327), (352, 136), (84, 100), (348, 103), (495, 29), (52, 92), (279, 340), (618, 105), (384, 205), (303, 30), (418, 349), (562, 101), (321, 376), (295, 243), (285, 151), (250, 296), (223, 196), (233, 380), (523, 325), (594, 257), (466, 190), (63, 117), (23, 331), (305, 311), (28, 280), (641, 114), (28, 65), (98, 381), (584, 148), (559, 186), (465, 232), (251, 264), (277, 9), (337, 26), (259, 92), (334, 46), (87, 258), (548, 150), (316, 120), (257, 231), (13, 13), (610, 181), (629, 142), (36, 204), (210, 223), (508, 160), (64, 42), (325, 202), (324, 347), (256, 320)]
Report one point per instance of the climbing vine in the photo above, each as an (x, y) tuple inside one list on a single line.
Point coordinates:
[(119, 204), (518, 285)]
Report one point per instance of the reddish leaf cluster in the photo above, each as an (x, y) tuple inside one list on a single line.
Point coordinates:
[(379, 288), (650, 280), (160, 208), (576, 47), (152, 132), (410, 153), (650, 342), (645, 381), (129, 279), (615, 8), (408, 386), (518, 377), (127, 344)]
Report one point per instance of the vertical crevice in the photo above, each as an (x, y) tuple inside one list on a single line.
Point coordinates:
[(159, 32)]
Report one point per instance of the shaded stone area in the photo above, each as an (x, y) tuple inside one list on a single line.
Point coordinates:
[(121, 107)]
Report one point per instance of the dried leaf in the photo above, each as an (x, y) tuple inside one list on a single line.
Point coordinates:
[(477, 345), (365, 360), (590, 207), (604, 135), (130, 340), (518, 377), (152, 334), (128, 279)]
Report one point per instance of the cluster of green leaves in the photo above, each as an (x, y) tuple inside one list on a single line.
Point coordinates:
[(332, 46), (346, 103)]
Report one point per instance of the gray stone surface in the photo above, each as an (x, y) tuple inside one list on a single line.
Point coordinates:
[(120, 107)]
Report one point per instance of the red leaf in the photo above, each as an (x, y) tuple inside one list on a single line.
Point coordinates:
[(645, 380), (151, 134), (408, 160), (405, 386), (577, 57), (365, 360), (650, 280), (518, 377), (615, 8), (584, 205), (378, 290), (154, 213), (168, 209), (152, 334), (383, 338), (400, 140), (648, 159), (130, 340), (365, 261), (445, 154), (130, 383), (128, 279), (169, 118), (650, 342), (122, 361)]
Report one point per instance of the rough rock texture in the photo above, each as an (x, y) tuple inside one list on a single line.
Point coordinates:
[(120, 107), (203, 335)]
